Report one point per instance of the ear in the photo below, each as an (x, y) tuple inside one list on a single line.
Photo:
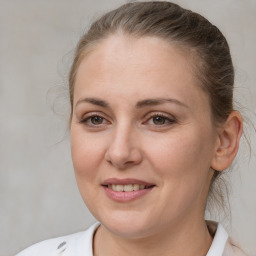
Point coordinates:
[(228, 142)]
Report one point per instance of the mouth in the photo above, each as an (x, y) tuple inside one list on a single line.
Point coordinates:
[(124, 190), (127, 187)]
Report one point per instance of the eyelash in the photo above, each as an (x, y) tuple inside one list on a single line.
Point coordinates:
[(167, 120), (89, 118)]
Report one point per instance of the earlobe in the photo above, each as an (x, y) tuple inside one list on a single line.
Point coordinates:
[(228, 142)]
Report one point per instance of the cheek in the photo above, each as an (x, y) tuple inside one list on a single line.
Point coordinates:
[(182, 163), (87, 152), (183, 157)]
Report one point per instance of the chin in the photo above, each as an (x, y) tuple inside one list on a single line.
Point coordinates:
[(126, 225)]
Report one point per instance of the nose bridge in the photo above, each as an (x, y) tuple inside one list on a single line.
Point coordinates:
[(121, 143), (123, 149)]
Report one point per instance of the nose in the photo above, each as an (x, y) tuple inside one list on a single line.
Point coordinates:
[(123, 150)]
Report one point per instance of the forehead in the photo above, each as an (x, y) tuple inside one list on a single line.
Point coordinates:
[(137, 67), (144, 54)]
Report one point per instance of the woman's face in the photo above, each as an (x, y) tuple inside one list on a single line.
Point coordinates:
[(142, 136)]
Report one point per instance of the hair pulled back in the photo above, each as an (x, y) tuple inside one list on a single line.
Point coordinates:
[(182, 28), (177, 25)]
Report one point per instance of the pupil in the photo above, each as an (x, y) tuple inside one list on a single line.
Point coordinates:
[(97, 120), (159, 120)]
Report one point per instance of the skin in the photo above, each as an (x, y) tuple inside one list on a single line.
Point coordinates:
[(175, 154)]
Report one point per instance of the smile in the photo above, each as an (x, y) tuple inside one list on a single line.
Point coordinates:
[(127, 188)]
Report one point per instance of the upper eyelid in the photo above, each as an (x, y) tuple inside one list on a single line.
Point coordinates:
[(146, 116), (162, 114), (94, 113)]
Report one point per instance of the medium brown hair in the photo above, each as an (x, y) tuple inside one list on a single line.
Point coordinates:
[(181, 27)]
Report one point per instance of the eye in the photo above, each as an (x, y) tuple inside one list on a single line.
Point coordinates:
[(94, 120), (160, 120)]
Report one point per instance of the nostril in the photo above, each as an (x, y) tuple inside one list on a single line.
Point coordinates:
[(122, 156)]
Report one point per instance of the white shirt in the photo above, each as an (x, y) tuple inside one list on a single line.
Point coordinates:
[(80, 244)]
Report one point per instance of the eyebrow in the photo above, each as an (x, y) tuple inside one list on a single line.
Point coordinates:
[(139, 104), (159, 101), (94, 101)]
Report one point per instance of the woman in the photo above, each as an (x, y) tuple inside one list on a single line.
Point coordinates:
[(152, 127)]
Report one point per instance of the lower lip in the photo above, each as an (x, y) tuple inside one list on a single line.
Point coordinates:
[(126, 196)]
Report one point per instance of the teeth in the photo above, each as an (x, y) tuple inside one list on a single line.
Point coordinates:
[(126, 188), (136, 187), (119, 188), (142, 186)]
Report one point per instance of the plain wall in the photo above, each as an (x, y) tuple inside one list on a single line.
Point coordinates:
[(39, 198)]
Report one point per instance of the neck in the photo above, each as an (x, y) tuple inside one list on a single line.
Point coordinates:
[(183, 239)]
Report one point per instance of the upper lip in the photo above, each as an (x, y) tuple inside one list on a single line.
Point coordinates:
[(127, 181)]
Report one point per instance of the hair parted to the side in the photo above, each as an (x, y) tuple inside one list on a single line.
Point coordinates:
[(183, 28)]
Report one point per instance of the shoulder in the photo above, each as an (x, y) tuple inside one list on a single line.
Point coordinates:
[(222, 244), (232, 250), (73, 244)]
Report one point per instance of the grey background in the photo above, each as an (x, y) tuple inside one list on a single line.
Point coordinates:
[(38, 194)]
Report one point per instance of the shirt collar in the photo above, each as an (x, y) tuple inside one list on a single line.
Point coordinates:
[(84, 243), (219, 240)]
